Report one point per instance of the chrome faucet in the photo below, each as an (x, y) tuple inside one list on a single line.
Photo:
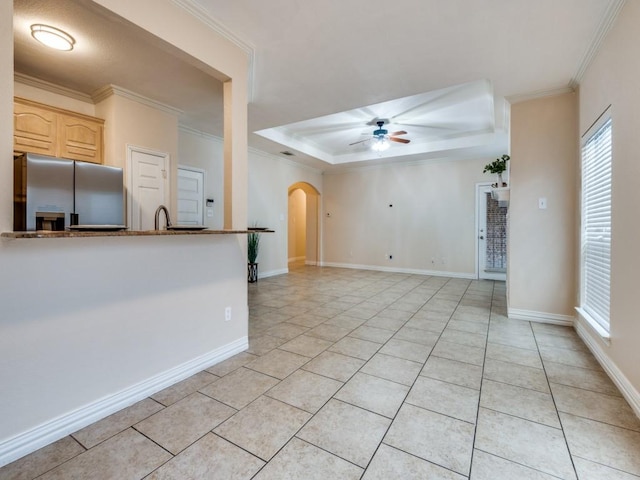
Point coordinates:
[(166, 216)]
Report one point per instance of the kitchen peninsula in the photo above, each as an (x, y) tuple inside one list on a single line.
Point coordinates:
[(91, 325), (120, 233), (95, 321)]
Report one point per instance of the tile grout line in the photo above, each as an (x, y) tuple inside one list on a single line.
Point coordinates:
[(553, 399), (412, 385), (484, 361)]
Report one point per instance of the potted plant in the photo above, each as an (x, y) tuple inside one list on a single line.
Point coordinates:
[(498, 166), (253, 245), (499, 190)]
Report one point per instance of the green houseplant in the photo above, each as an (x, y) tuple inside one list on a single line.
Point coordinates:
[(253, 245), (498, 166)]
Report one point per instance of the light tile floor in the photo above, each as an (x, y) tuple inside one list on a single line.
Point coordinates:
[(368, 375)]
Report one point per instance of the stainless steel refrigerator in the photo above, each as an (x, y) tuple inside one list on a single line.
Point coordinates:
[(43, 192), (55, 193), (98, 195)]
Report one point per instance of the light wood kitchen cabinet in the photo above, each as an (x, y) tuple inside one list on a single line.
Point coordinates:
[(80, 138), (34, 129), (47, 130)]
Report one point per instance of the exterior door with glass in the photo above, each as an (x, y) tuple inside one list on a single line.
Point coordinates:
[(491, 236)]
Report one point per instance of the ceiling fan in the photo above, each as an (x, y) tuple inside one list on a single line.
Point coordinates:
[(382, 137)]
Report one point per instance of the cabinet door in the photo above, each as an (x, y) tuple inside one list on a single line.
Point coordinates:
[(80, 139), (35, 129)]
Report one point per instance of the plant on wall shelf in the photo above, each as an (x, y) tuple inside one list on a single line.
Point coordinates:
[(253, 245), (498, 166)]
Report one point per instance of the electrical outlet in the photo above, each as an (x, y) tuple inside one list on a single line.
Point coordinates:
[(227, 314)]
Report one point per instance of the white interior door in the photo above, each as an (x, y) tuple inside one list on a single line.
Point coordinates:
[(190, 196), (148, 180), (491, 236)]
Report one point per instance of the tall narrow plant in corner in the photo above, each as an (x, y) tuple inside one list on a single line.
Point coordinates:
[(253, 245)]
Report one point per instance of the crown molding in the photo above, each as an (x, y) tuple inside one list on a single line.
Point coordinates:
[(539, 94), (97, 96), (287, 161), (608, 19), (51, 87), (109, 90), (251, 150), (198, 133), (197, 11)]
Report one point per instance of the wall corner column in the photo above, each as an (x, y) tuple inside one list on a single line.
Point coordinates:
[(235, 157), (6, 119)]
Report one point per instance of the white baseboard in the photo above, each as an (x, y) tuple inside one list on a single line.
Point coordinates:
[(272, 273), (311, 263), (621, 381), (20, 445), (378, 268), (540, 317)]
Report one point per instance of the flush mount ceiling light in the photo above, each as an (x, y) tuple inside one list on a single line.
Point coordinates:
[(52, 37)]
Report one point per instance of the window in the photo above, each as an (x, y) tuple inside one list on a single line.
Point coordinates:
[(596, 225)]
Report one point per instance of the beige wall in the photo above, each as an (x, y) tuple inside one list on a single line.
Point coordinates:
[(49, 98), (312, 233), (269, 180), (612, 79), (542, 243), (430, 228), (130, 123)]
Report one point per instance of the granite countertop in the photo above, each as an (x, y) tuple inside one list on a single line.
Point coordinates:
[(121, 233)]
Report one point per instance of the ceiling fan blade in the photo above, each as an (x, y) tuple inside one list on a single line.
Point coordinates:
[(401, 132), (355, 143), (399, 140)]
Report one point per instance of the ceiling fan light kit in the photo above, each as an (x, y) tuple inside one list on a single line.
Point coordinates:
[(381, 138), (380, 144)]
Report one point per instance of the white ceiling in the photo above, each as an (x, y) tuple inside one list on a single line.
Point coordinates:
[(322, 71)]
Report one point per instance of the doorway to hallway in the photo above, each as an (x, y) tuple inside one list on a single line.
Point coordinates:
[(303, 224)]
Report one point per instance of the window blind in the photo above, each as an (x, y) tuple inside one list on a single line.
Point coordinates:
[(596, 225)]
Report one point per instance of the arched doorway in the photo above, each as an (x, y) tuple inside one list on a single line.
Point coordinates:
[(303, 224)]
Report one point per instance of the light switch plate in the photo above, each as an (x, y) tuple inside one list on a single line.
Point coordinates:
[(542, 203)]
